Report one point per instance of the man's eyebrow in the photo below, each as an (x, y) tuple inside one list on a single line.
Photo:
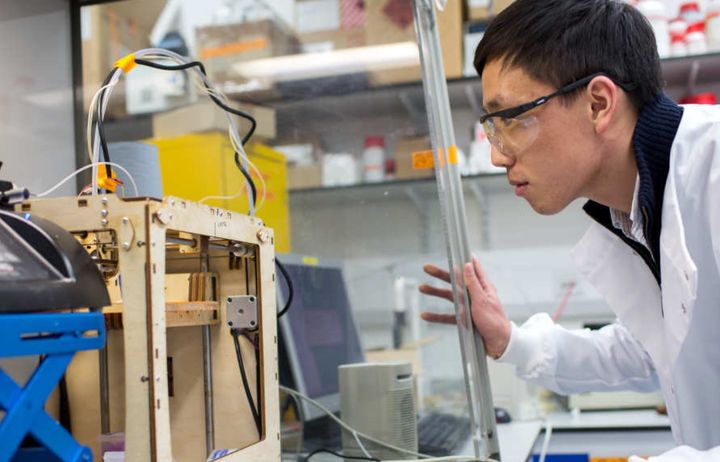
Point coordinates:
[(494, 104)]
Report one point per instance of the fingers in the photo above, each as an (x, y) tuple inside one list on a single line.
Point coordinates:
[(472, 282), (436, 272), (480, 273), (438, 317), (427, 289)]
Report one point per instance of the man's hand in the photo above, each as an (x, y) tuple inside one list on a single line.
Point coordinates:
[(488, 315)]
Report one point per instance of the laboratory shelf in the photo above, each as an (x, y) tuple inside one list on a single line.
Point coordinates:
[(355, 93), (416, 191)]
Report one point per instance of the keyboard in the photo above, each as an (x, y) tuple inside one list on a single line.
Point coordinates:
[(442, 434)]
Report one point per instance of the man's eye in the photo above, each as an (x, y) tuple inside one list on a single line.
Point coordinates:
[(507, 122)]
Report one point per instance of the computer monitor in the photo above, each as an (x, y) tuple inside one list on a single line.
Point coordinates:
[(317, 333)]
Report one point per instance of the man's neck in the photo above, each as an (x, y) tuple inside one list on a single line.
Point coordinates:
[(614, 186)]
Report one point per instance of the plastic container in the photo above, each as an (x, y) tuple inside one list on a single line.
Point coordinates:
[(373, 159), (339, 169), (678, 33), (699, 98), (696, 42), (712, 24), (656, 14), (690, 12)]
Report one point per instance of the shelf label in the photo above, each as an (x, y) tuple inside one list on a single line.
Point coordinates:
[(422, 160)]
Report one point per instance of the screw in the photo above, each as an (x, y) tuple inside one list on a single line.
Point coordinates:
[(263, 235), (252, 323), (126, 245), (230, 323), (241, 311), (103, 213), (144, 378), (125, 220), (104, 222), (229, 300), (252, 299), (104, 200)]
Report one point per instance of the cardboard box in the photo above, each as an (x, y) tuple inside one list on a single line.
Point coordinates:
[(219, 47), (108, 34), (352, 14), (304, 176), (391, 21), (404, 149), (480, 13), (208, 117), (339, 39), (499, 5)]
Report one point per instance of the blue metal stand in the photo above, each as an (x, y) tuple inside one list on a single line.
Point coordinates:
[(57, 336)]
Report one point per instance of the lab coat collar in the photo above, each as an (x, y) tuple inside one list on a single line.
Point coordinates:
[(652, 140)]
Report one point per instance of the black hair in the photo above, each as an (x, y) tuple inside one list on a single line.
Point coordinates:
[(561, 41)]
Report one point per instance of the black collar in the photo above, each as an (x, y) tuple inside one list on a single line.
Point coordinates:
[(652, 141)]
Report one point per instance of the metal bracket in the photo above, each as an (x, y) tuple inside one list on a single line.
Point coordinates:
[(242, 312)]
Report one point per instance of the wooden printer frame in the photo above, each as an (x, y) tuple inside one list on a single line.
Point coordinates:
[(154, 389)]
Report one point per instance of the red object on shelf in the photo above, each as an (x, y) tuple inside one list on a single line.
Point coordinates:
[(374, 141), (700, 98)]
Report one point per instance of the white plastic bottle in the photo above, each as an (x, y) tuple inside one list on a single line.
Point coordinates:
[(712, 24), (656, 14), (690, 12), (678, 33), (374, 159), (696, 42)]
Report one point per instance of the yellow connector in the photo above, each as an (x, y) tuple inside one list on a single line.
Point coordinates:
[(126, 63), (104, 182)]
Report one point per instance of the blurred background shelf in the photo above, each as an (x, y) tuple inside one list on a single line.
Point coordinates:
[(416, 190)]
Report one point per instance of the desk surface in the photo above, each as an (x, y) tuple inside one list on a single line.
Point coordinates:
[(599, 420), (516, 440)]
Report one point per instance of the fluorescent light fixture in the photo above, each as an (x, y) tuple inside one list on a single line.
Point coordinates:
[(323, 64)]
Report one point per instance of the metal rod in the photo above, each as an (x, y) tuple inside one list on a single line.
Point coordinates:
[(450, 194), (237, 248), (104, 391), (207, 361)]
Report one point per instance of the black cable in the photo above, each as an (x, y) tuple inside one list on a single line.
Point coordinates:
[(256, 417), (258, 382), (338, 455), (198, 64), (247, 176), (291, 289), (65, 418), (99, 123), (143, 62), (172, 67)]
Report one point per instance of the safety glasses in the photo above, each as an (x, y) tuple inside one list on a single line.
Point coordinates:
[(512, 130)]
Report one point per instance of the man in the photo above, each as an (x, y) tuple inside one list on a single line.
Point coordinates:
[(572, 90)]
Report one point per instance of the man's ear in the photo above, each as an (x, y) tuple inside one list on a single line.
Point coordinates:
[(603, 95)]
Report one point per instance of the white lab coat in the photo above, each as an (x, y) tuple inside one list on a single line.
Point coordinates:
[(679, 352)]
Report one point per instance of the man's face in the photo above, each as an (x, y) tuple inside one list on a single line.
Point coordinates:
[(559, 163)]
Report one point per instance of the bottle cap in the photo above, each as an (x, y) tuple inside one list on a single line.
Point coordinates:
[(688, 7), (374, 141)]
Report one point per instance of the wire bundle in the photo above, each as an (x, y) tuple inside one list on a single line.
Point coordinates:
[(169, 61)]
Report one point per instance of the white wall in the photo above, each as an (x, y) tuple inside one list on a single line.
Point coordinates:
[(36, 106)]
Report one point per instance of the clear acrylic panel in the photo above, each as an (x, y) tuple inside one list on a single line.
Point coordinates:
[(337, 92)]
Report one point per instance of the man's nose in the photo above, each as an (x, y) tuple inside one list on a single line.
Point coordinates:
[(499, 159)]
